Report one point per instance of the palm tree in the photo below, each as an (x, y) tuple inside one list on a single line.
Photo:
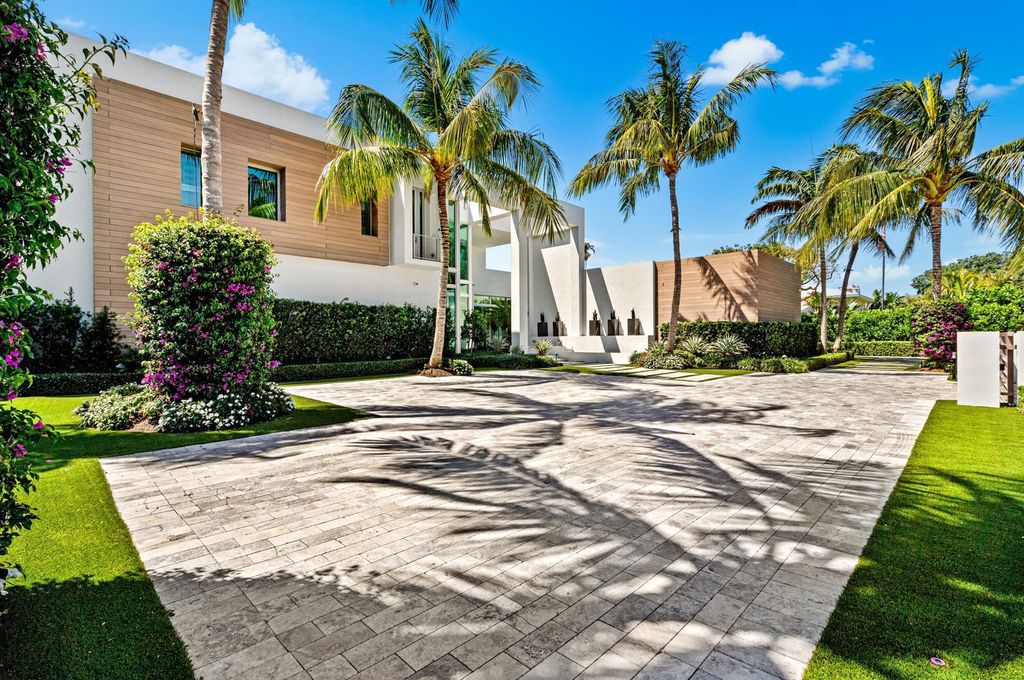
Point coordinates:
[(213, 200), (658, 129), (926, 161), (210, 157), (451, 131), (786, 194)]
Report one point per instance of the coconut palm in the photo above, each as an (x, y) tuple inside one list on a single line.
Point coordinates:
[(210, 158), (452, 132), (658, 129), (785, 195), (926, 162)]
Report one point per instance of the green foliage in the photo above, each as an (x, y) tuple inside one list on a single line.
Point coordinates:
[(542, 346), (878, 324), (119, 408), (489, 325), (202, 297), (989, 263), (45, 95), (331, 332), (67, 339), (933, 327), (882, 348), (792, 364), (348, 369), (996, 309), (511, 360), (56, 384), (458, 367), (763, 338)]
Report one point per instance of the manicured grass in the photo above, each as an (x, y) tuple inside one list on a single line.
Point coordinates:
[(721, 372), (86, 608), (943, 573)]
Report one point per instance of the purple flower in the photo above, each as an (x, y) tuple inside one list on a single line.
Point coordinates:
[(14, 261), (19, 450), (40, 54), (11, 395), (38, 425), (16, 32), (53, 198)]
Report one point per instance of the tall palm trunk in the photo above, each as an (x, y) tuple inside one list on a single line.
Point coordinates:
[(212, 90), (840, 326), (935, 213), (677, 268), (823, 276), (440, 316)]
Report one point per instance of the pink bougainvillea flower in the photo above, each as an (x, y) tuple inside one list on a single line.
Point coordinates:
[(14, 261), (19, 450), (40, 54), (936, 661), (16, 32), (38, 425), (53, 198)]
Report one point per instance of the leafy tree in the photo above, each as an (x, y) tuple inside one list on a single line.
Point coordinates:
[(925, 167), (452, 131), (657, 130), (990, 264)]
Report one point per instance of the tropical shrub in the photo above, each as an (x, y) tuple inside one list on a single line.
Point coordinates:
[(459, 367), (120, 408), (1000, 308), (67, 339), (934, 326), (334, 332), (45, 95), (878, 324), (792, 364), (882, 348), (727, 349), (250, 404), (763, 338), (542, 347), (511, 360)]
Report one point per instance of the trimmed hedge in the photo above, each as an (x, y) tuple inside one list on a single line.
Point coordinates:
[(877, 324), (791, 364), (347, 369), (59, 384), (762, 338), (508, 361), (332, 332), (883, 348)]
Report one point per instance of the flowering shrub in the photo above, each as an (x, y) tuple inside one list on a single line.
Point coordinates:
[(40, 112), (934, 326), (226, 411), (459, 367), (202, 298), (120, 408)]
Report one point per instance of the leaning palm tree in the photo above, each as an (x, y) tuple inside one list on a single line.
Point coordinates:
[(452, 132), (927, 161), (210, 158), (786, 194), (658, 129)]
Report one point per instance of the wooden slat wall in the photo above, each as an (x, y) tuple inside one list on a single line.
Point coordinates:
[(740, 286), (137, 139)]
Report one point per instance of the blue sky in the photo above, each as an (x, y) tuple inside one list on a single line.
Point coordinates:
[(302, 52)]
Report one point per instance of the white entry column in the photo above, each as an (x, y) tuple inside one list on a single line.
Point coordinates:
[(520, 240)]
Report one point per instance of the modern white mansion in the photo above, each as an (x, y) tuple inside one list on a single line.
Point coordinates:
[(144, 142)]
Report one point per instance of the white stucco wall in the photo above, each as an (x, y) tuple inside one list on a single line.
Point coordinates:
[(555, 282), (307, 278), (977, 369), (624, 288)]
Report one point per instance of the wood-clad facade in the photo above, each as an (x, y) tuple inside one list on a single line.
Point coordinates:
[(138, 137), (741, 286)]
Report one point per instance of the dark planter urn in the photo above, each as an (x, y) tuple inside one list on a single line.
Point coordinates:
[(595, 327)]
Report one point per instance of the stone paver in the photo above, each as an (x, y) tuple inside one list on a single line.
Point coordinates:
[(528, 524)]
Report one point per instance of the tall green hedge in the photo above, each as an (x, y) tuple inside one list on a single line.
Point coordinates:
[(329, 332), (763, 338), (878, 324), (996, 309)]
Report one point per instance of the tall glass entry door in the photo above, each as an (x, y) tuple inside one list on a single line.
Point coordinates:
[(460, 300)]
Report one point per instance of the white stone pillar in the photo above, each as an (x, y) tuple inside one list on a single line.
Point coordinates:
[(977, 368), (520, 240)]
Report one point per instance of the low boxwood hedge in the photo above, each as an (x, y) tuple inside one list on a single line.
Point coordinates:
[(793, 364), (347, 369), (762, 338), (508, 361), (58, 384), (882, 348)]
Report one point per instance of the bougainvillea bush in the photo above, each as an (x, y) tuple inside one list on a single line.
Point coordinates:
[(203, 325), (933, 327), (44, 96)]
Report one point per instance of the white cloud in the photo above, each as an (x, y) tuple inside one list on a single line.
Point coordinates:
[(738, 53), (870, 277), (846, 57), (73, 24), (983, 90), (256, 62)]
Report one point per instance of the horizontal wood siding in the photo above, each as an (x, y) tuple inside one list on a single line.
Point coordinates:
[(138, 135), (778, 288)]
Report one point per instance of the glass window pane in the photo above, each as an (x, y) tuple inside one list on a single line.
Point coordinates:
[(264, 192), (464, 252), (369, 218), (452, 240), (191, 179)]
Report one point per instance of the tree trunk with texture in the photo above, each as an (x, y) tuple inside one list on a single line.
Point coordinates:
[(677, 268), (213, 201), (823, 275), (841, 324), (935, 213), (440, 317)]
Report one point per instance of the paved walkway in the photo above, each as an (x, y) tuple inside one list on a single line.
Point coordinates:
[(665, 374), (531, 524)]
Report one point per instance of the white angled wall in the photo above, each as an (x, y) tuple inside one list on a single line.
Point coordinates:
[(977, 369), (623, 288)]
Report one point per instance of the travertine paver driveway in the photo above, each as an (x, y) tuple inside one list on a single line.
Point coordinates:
[(530, 524)]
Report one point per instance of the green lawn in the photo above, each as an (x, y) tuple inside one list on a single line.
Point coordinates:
[(86, 608), (943, 572), (722, 372)]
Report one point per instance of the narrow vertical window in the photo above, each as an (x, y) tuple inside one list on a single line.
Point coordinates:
[(265, 193), (191, 179), (369, 218)]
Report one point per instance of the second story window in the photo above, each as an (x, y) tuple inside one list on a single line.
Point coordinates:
[(191, 179), (265, 193), (369, 218)]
